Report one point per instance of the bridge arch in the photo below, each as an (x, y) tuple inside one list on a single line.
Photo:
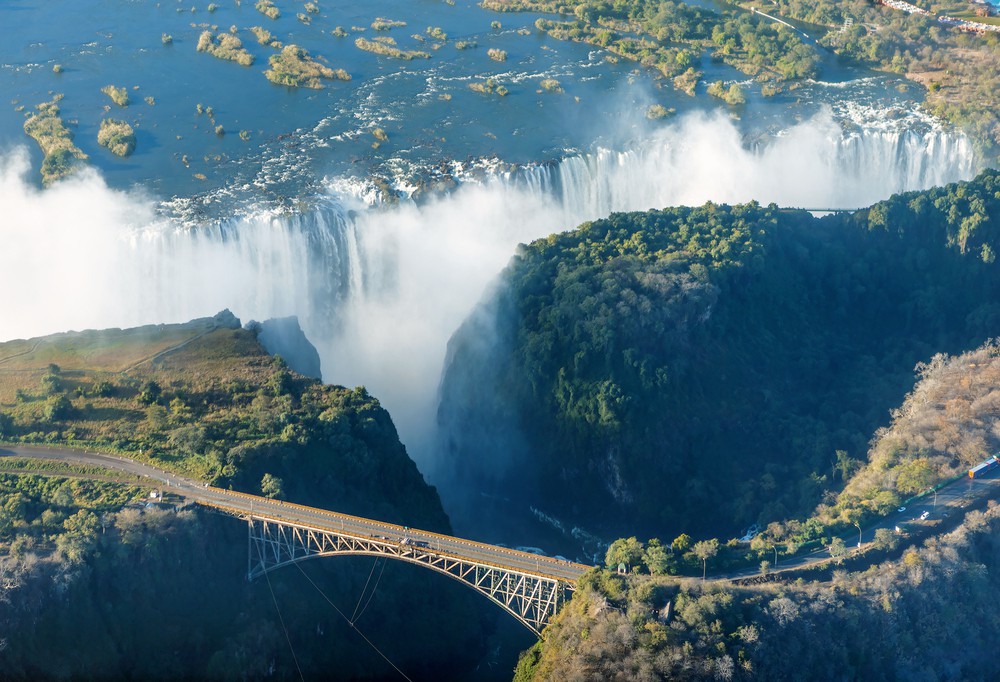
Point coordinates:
[(531, 598)]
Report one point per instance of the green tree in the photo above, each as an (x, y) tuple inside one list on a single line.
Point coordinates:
[(846, 464), (79, 536), (51, 384), (150, 393), (57, 407), (272, 487), (705, 550), (102, 389), (885, 539), (656, 558), (628, 551), (837, 549), (915, 476), (156, 417), (681, 543)]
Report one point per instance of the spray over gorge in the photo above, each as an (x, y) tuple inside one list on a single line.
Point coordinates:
[(379, 289), (474, 287)]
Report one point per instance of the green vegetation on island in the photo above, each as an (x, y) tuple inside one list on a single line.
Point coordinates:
[(669, 37), (960, 70), (118, 95), (383, 24), (295, 68), (732, 95), (496, 54), (658, 111), (490, 86), (117, 136), (268, 9), (61, 157), (550, 85), (265, 38), (225, 46), (388, 49)]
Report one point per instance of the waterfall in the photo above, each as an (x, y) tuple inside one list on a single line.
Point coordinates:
[(379, 290)]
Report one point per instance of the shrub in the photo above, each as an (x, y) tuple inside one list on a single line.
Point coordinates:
[(267, 8), (295, 68), (117, 136), (225, 46), (550, 85), (118, 95)]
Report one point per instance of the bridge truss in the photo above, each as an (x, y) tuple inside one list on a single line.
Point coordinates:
[(531, 598)]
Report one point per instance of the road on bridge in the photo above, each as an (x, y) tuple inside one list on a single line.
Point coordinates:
[(321, 519), (950, 499)]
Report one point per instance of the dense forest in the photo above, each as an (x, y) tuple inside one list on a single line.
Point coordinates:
[(696, 370), (928, 615), (925, 613), (97, 582)]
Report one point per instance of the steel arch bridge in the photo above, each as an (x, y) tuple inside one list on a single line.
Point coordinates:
[(532, 597)]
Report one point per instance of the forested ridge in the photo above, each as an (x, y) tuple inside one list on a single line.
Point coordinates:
[(699, 369), (97, 583), (927, 616), (911, 609)]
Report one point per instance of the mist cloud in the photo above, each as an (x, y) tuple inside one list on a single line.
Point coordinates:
[(379, 292)]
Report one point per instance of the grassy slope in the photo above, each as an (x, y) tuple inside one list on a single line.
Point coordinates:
[(228, 412)]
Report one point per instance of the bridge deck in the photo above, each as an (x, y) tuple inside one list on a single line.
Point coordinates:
[(254, 506)]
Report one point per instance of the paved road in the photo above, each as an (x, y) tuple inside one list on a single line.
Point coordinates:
[(241, 503), (950, 500)]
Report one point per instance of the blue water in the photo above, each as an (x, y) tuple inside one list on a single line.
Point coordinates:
[(298, 137)]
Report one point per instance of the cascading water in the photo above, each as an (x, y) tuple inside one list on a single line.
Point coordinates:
[(380, 289)]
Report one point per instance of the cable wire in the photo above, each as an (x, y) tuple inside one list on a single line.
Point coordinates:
[(354, 616), (280, 619), (372, 595), (370, 643)]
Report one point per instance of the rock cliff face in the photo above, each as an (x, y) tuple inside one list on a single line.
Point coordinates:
[(283, 336), (697, 369)]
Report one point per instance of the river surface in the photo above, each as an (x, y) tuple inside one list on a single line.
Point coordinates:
[(381, 248)]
